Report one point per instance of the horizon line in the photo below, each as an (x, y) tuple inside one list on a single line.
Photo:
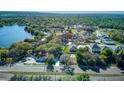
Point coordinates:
[(74, 12)]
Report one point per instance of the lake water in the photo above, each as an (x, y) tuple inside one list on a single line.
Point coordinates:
[(12, 34)]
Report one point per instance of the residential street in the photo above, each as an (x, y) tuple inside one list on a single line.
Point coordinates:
[(41, 68)]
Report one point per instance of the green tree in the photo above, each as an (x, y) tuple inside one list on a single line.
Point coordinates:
[(85, 58), (107, 56), (9, 61), (120, 58), (19, 50), (56, 51), (3, 54), (50, 60), (64, 58)]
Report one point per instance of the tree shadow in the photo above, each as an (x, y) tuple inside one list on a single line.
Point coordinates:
[(68, 70), (93, 68), (50, 68), (121, 68), (2, 63)]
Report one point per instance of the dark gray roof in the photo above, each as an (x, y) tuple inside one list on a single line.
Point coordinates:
[(73, 49), (96, 46)]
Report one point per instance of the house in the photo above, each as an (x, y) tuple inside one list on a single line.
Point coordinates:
[(105, 39), (30, 61), (90, 28), (43, 39), (119, 48), (112, 48), (73, 49), (77, 26), (44, 53), (80, 38), (41, 59), (109, 42), (96, 48), (98, 41), (69, 43), (87, 33), (2, 63), (70, 35), (107, 29)]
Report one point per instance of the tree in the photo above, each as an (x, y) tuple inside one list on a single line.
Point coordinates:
[(56, 50), (107, 56), (29, 40), (3, 54), (85, 58), (103, 60), (19, 50), (117, 35), (85, 49), (9, 61), (40, 51), (64, 58), (50, 60), (120, 58)]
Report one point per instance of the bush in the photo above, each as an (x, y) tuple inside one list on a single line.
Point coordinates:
[(83, 77), (60, 79), (29, 40), (20, 77)]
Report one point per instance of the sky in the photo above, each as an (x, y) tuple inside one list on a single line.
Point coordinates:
[(61, 5), (75, 12)]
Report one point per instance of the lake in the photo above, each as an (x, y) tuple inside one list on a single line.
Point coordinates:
[(12, 34)]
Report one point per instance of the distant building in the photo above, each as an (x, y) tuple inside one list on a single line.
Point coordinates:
[(98, 41), (77, 26), (70, 35), (105, 39), (2, 63), (41, 59), (30, 61), (96, 49), (73, 49), (87, 33), (119, 48), (109, 42)]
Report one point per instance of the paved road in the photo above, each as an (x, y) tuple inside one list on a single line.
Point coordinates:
[(27, 68), (41, 68)]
